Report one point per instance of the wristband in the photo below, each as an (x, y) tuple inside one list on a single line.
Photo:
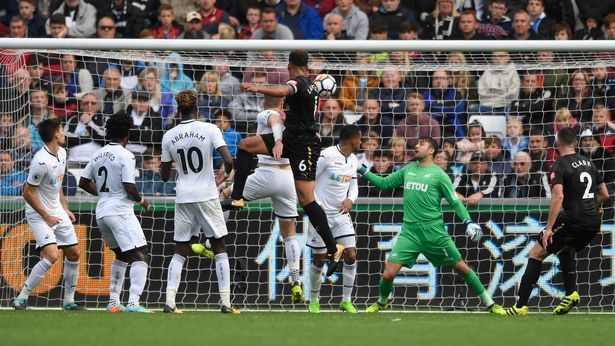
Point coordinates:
[(278, 131), (467, 222)]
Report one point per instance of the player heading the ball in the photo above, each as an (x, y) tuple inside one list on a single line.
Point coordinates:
[(190, 145), (423, 231), (299, 143), (110, 175)]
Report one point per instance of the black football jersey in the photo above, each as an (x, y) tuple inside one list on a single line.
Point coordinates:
[(580, 180), (301, 107)]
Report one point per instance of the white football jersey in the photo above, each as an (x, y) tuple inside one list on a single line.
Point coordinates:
[(111, 167), (263, 128), (46, 173), (191, 144), (336, 179)]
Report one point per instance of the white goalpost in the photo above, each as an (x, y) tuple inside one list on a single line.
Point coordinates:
[(516, 94)]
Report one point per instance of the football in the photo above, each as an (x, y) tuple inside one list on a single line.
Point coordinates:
[(325, 85)]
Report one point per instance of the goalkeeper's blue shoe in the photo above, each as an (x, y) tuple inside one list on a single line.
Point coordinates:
[(20, 304), (138, 308), (515, 311), (112, 307), (347, 306), (568, 302), (377, 308), (72, 307), (202, 250), (297, 293)]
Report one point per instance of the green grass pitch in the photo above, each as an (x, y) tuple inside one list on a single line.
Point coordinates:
[(92, 328)]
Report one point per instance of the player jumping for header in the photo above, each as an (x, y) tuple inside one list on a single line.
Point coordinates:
[(299, 143), (577, 186), (423, 231)]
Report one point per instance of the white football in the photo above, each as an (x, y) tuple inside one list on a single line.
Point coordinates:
[(325, 85)]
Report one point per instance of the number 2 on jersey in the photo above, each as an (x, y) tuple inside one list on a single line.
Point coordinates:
[(199, 156), (103, 171), (586, 178)]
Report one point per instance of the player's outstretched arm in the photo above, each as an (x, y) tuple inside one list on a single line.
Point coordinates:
[(88, 186), (278, 90), (387, 183)]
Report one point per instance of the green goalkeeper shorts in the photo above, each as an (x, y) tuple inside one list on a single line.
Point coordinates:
[(429, 239)]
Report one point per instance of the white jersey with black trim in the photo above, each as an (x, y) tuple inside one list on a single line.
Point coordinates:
[(191, 144), (111, 167), (263, 128), (46, 173), (336, 179)]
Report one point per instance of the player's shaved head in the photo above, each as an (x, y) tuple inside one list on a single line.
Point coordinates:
[(299, 58), (186, 103), (118, 126), (567, 137), (272, 102)]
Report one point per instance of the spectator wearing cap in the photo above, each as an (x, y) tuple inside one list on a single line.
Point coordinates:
[(477, 182), (168, 28), (80, 18), (253, 17), (589, 146), (129, 16), (522, 182), (592, 29), (147, 129), (301, 19), (392, 12), (33, 19), (193, 27), (212, 16), (11, 178), (270, 28), (355, 20), (85, 130)]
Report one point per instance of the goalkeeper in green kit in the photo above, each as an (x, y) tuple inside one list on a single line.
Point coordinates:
[(425, 184)]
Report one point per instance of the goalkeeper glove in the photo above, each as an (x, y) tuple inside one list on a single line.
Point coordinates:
[(473, 231), (362, 170)]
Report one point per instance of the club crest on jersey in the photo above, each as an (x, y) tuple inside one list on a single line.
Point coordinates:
[(416, 186), (341, 178)]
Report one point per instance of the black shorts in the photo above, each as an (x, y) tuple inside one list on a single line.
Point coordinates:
[(573, 232), (302, 150)]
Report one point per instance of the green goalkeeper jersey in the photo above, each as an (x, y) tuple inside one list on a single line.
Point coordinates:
[(424, 188)]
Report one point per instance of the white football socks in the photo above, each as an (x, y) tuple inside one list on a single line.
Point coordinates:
[(349, 272), (36, 275), (315, 282), (223, 272), (173, 278), (116, 282), (293, 256), (71, 275), (138, 277)]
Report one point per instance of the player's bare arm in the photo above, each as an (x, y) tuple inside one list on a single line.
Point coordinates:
[(603, 194), (88, 186), (557, 198), (29, 194), (227, 159), (131, 190), (278, 90), (64, 204)]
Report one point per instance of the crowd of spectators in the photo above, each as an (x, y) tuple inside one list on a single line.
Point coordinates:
[(392, 107)]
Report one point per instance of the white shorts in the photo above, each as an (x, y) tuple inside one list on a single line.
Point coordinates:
[(277, 184), (62, 234), (191, 218), (343, 232), (123, 231)]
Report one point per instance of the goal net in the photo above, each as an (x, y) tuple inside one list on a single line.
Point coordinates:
[(494, 107)]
